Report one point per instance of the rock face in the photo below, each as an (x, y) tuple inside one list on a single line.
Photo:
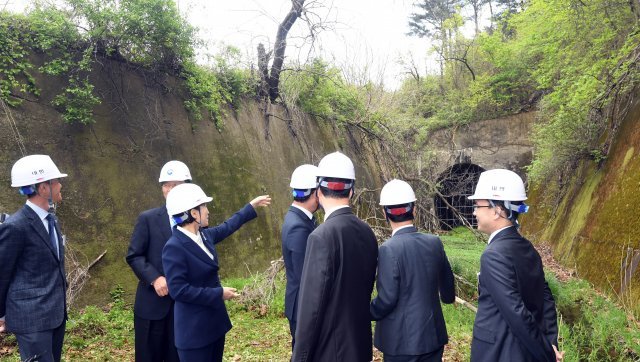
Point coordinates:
[(113, 167), (594, 227)]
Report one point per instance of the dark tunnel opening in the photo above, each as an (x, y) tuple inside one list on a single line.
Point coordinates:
[(455, 185)]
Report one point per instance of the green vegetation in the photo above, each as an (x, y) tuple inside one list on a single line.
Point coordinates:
[(320, 90), (574, 60), (570, 59), (70, 41), (592, 328)]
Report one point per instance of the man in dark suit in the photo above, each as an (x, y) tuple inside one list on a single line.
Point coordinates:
[(32, 275), (516, 318), (338, 274), (153, 309), (298, 224), (412, 269)]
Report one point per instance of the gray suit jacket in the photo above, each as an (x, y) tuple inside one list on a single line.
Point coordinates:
[(32, 279), (413, 275)]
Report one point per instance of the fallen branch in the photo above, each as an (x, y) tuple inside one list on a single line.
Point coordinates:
[(466, 304)]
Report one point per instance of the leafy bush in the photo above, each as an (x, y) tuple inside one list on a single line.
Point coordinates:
[(319, 90), (75, 34)]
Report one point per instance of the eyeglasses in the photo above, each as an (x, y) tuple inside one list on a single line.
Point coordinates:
[(479, 206)]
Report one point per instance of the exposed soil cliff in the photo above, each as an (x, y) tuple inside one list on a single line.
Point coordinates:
[(113, 166)]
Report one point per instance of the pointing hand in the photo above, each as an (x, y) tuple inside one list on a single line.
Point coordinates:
[(263, 200)]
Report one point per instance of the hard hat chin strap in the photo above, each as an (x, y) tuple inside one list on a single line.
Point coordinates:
[(52, 206), (179, 219), (520, 209)]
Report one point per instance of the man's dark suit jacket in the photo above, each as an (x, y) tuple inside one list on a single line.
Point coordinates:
[(412, 268), (295, 231), (516, 319), (32, 278), (200, 315), (335, 291), (149, 236)]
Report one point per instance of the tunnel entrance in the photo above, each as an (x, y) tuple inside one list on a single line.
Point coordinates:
[(452, 205)]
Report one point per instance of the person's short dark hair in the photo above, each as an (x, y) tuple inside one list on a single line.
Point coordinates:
[(337, 194), (31, 190), (303, 198), (392, 212), (189, 218), (164, 182), (514, 214)]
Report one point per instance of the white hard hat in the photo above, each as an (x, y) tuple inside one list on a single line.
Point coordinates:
[(396, 192), (185, 197), (500, 185), (304, 177), (34, 169), (174, 171), (336, 165)]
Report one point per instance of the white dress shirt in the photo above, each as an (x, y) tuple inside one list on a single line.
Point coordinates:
[(197, 239), (42, 214), (400, 228), (329, 212), (306, 212), (496, 232)]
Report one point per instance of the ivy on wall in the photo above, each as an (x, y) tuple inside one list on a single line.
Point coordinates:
[(76, 34)]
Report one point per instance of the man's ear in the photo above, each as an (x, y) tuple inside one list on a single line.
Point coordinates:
[(498, 213), (42, 187)]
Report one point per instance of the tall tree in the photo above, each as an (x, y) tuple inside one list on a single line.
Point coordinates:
[(430, 20)]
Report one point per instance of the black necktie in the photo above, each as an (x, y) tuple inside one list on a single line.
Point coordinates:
[(313, 221), (52, 233)]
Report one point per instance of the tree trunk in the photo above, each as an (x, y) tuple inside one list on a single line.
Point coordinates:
[(280, 47), (263, 70)]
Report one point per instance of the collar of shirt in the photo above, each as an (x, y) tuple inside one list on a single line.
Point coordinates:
[(493, 234), (400, 228), (42, 214), (329, 212), (196, 239), (306, 212)]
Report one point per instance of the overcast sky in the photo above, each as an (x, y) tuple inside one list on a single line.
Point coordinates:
[(367, 39)]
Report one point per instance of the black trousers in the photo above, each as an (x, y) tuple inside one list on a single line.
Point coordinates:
[(43, 346), (154, 339), (210, 353), (435, 356)]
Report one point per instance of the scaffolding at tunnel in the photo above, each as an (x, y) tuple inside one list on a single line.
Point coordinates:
[(451, 204)]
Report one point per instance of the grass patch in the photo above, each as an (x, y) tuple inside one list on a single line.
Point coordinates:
[(463, 249), (592, 327)]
